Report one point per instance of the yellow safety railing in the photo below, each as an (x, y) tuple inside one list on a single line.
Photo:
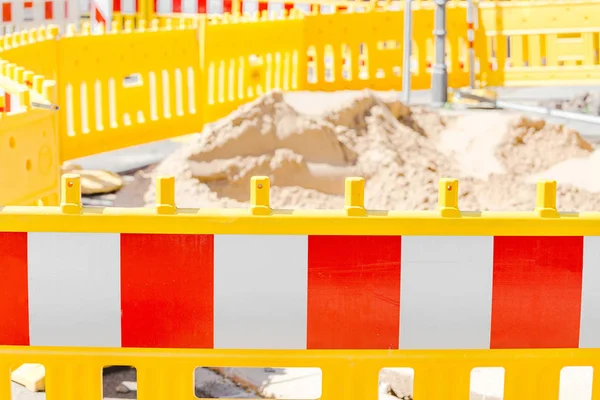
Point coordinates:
[(75, 373), (29, 150)]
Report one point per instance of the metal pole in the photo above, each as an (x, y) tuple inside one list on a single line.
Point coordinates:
[(471, 38), (407, 51), (439, 76)]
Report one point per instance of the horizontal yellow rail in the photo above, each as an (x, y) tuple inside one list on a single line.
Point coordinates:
[(75, 373), (545, 220)]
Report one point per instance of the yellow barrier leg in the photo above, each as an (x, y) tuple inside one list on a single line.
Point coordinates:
[(596, 383), (442, 382), (5, 381), (530, 381), (338, 382)]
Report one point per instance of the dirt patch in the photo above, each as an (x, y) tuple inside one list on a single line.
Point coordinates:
[(400, 151)]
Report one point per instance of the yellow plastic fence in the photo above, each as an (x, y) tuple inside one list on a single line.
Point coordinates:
[(168, 77), (74, 372), (29, 170)]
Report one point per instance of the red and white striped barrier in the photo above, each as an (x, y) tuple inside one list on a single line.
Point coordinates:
[(299, 292), (18, 15), (215, 6), (163, 7)]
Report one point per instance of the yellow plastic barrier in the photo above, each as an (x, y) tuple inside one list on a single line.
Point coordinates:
[(550, 42), (116, 90), (50, 241), (75, 373), (246, 57), (30, 164)]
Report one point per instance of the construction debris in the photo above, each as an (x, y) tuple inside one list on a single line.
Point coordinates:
[(95, 181), (588, 103), (126, 387), (31, 376)]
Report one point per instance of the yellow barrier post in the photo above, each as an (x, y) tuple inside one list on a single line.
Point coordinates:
[(70, 199), (355, 197), (165, 195), (545, 204), (448, 198), (260, 187)]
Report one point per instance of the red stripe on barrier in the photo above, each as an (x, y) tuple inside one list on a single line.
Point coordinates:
[(6, 12), (288, 6), (227, 6), (167, 290), (354, 288), (202, 7), (48, 10), (176, 6), (263, 7), (7, 102), (117, 5), (536, 299), (98, 16), (14, 299)]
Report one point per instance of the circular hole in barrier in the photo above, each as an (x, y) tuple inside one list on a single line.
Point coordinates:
[(449, 188), (28, 165), (259, 186), (70, 184), (12, 142)]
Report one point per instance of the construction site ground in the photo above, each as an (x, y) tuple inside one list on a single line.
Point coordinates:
[(308, 142)]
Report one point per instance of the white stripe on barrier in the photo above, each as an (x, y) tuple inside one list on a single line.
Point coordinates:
[(446, 292), (190, 7), (128, 6), (74, 289), (261, 285), (589, 335), (214, 6), (164, 7)]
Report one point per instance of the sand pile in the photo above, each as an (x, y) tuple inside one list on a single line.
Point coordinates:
[(534, 146), (400, 151)]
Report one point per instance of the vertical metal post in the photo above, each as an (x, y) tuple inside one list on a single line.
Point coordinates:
[(407, 51), (471, 38), (439, 92)]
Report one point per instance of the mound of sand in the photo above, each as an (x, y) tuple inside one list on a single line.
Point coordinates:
[(534, 146), (400, 151)]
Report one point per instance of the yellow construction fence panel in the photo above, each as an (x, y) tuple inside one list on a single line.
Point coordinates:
[(248, 56), (120, 90)]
